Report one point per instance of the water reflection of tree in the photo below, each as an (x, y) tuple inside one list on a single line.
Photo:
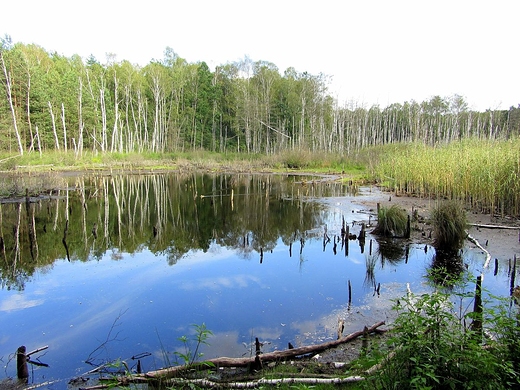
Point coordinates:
[(169, 214)]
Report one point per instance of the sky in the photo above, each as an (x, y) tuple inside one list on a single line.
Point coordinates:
[(376, 51)]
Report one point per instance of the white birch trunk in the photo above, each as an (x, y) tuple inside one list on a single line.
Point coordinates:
[(64, 127), (80, 114), (56, 141), (38, 140), (103, 120), (11, 105)]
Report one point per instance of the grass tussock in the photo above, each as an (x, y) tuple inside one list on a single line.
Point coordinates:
[(449, 225), (391, 221)]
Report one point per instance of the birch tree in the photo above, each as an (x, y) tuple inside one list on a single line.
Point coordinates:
[(4, 44)]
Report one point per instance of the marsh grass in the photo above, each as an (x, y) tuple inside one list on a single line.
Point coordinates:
[(298, 161), (449, 226), (485, 174), (391, 221)]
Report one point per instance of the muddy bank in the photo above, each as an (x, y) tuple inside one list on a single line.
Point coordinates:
[(502, 244)]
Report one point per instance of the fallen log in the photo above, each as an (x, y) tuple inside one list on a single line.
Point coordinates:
[(271, 356), (494, 226), (205, 383)]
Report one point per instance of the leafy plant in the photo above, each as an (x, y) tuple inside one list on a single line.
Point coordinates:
[(432, 348), (192, 345)]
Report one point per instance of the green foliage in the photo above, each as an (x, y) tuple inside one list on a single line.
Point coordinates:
[(449, 225), (391, 221), (248, 106), (191, 352), (432, 348)]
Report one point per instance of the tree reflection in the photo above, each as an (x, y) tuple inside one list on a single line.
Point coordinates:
[(168, 214)]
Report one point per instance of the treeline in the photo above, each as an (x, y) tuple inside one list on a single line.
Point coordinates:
[(59, 103)]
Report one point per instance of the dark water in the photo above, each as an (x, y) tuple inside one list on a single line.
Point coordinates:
[(101, 268)]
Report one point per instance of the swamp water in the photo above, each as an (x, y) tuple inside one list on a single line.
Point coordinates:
[(101, 268)]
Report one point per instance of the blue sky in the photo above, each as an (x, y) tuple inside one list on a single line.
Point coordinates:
[(378, 51)]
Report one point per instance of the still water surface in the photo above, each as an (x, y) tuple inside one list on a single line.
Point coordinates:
[(106, 267)]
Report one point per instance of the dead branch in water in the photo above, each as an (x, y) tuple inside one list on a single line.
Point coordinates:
[(475, 241)]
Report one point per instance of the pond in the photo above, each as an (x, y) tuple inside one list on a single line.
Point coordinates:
[(118, 266)]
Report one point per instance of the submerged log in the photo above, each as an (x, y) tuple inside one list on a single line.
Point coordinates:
[(270, 356)]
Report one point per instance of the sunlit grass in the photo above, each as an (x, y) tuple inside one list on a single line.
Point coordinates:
[(285, 161), (449, 224), (485, 174), (391, 221)]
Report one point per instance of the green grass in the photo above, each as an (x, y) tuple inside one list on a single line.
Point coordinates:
[(303, 161), (449, 225), (391, 221), (484, 174)]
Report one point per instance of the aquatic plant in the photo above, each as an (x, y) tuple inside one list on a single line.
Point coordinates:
[(449, 226), (391, 221), (192, 353)]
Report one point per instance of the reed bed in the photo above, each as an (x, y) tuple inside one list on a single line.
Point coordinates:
[(483, 174)]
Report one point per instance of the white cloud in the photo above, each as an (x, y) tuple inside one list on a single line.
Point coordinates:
[(235, 281), (19, 302)]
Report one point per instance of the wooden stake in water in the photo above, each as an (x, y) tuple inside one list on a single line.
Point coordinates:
[(408, 228), (349, 293), (513, 275), (22, 370), (476, 325)]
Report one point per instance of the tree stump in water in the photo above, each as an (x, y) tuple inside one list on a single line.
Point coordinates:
[(22, 371)]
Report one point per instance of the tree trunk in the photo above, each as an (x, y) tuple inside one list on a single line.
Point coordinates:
[(10, 99), (79, 150), (64, 127), (56, 142)]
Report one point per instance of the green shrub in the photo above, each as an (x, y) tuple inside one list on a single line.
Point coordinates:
[(433, 349)]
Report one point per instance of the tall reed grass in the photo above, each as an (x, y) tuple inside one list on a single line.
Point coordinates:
[(484, 174)]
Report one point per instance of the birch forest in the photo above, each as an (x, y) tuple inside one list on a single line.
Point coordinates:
[(52, 102)]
